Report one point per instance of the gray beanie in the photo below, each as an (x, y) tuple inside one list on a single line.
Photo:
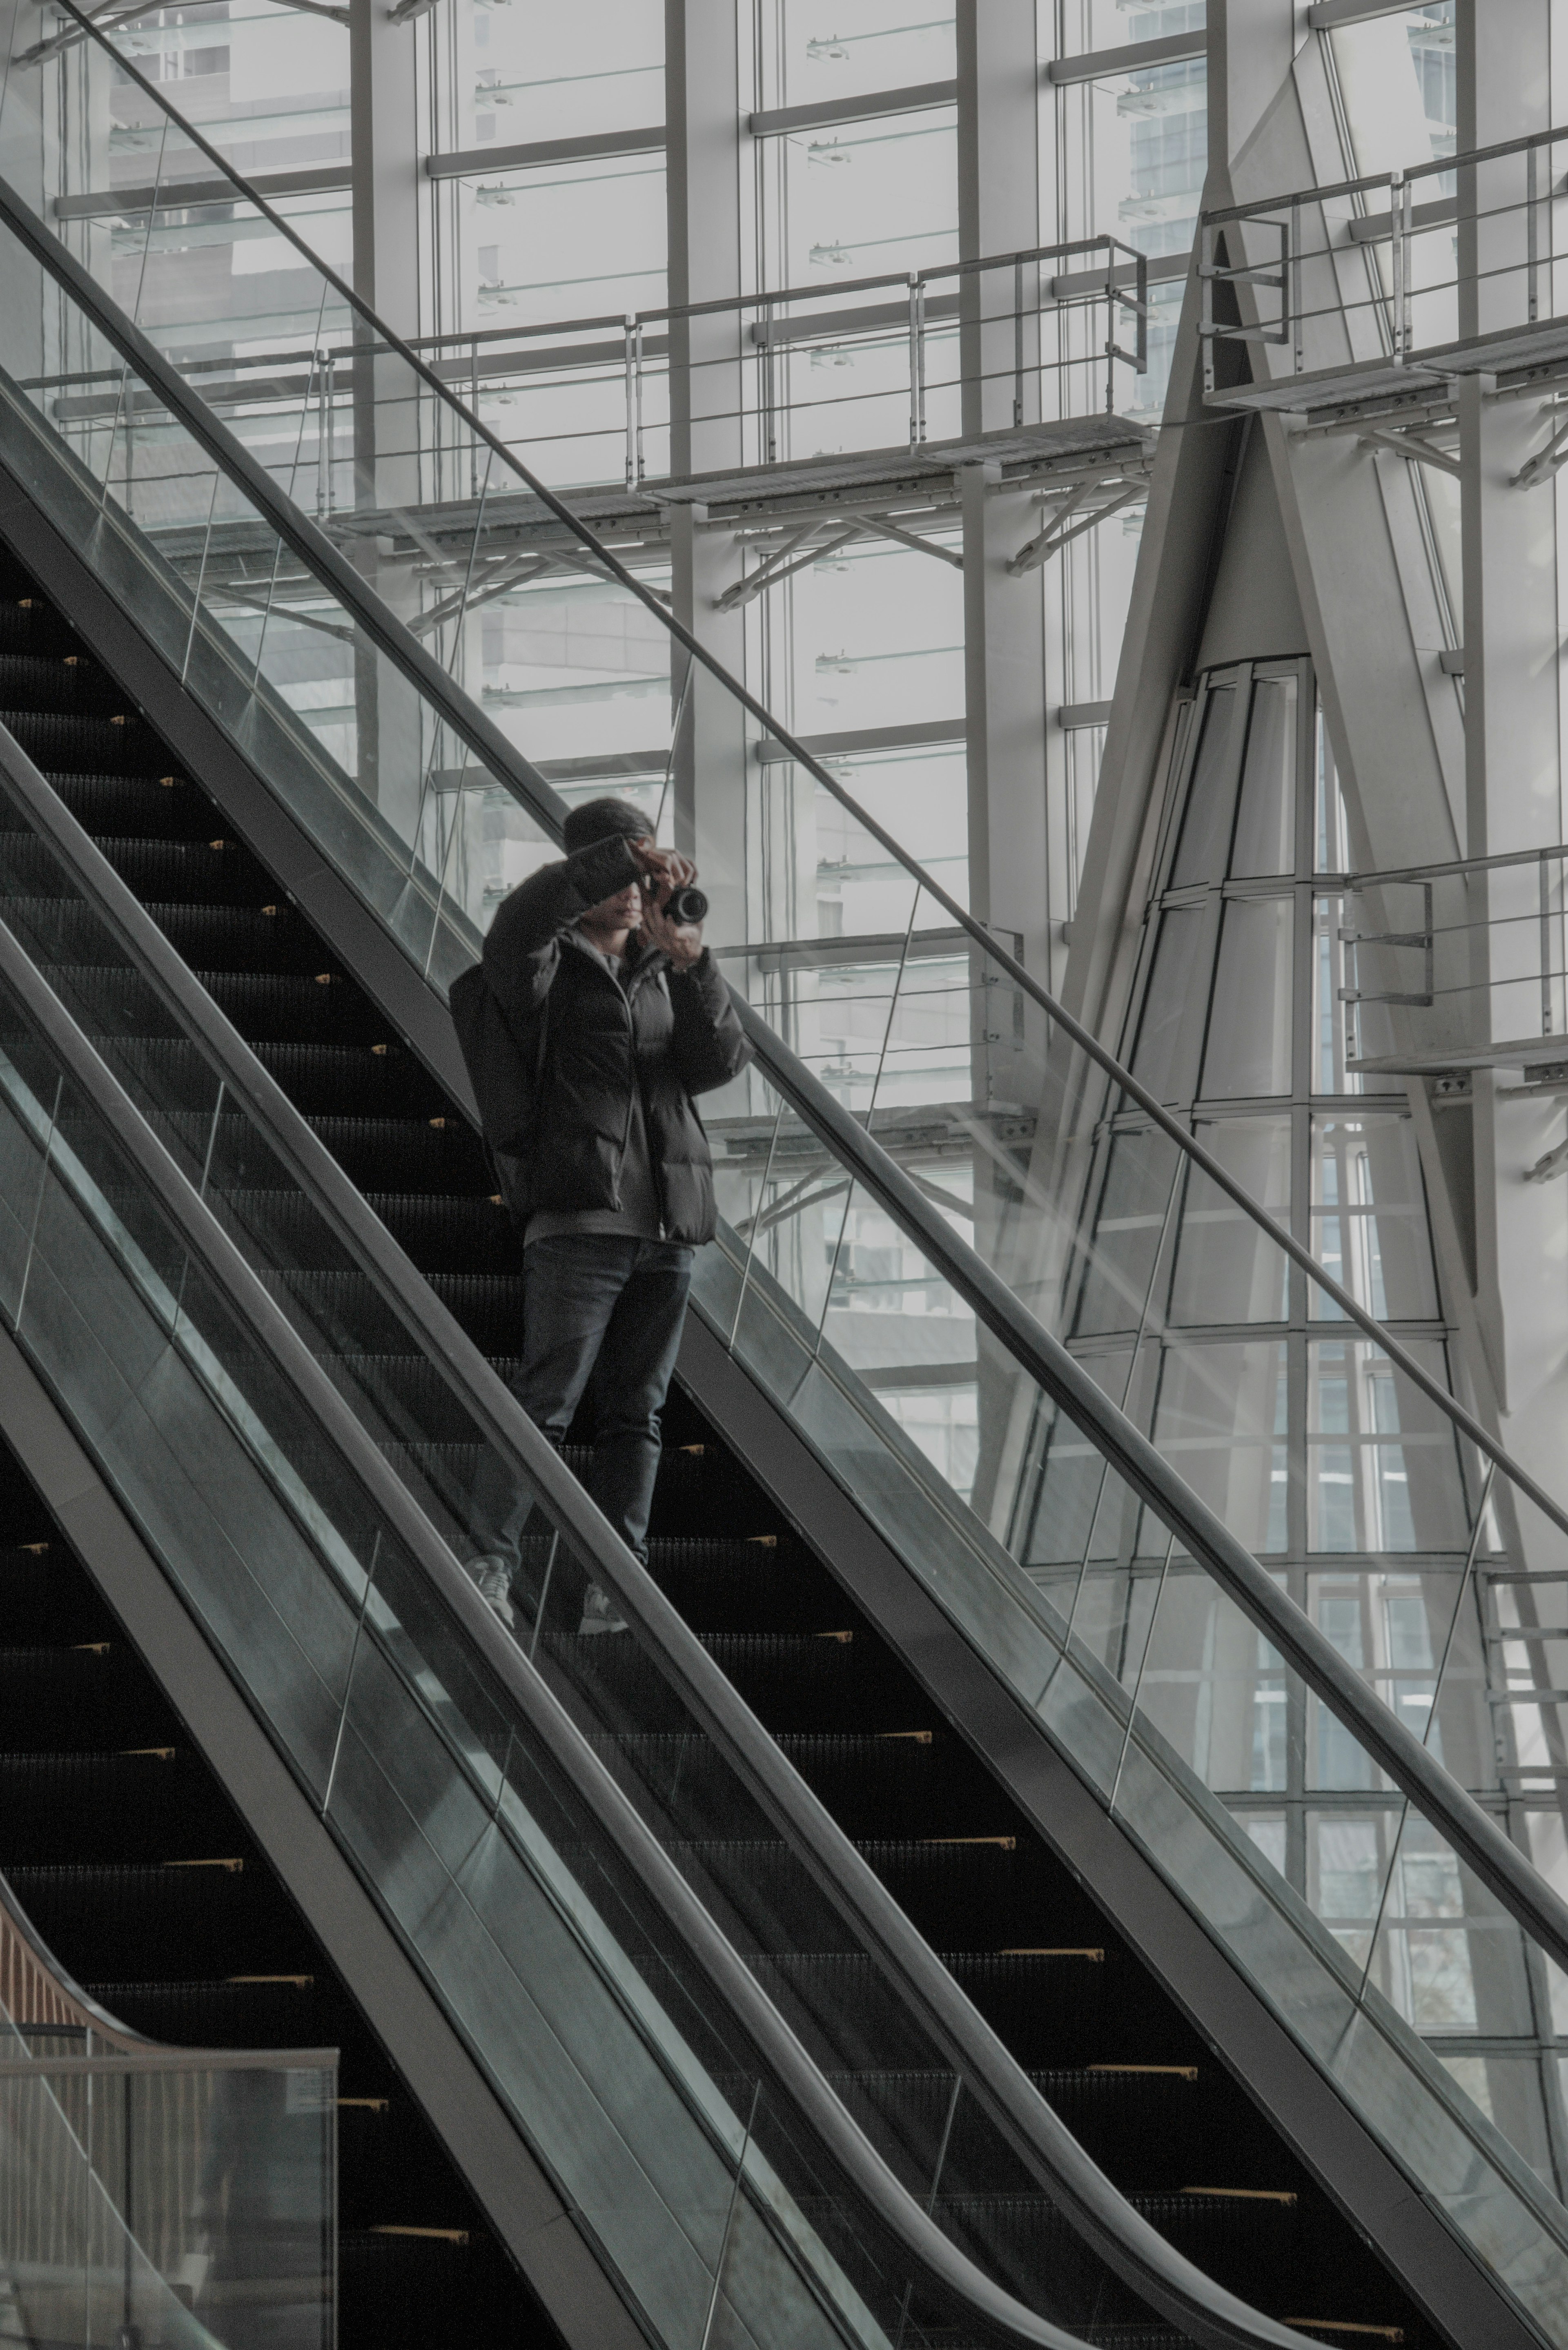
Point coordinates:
[(606, 820)]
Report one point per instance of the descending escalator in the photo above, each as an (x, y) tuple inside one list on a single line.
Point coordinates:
[(134, 1867), (1025, 1942)]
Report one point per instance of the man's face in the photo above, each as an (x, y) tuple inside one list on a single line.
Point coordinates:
[(624, 910)]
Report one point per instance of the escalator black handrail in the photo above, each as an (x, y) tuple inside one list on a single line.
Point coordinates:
[(1212, 2315), (537, 796), (1028, 2122), (1476, 1837)]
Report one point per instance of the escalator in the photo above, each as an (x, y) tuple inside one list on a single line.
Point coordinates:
[(133, 1866), (961, 2128), (1028, 1946)]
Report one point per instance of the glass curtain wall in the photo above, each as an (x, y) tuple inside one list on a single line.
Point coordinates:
[(1317, 1453)]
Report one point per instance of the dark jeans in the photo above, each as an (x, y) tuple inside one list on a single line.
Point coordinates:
[(602, 1316)]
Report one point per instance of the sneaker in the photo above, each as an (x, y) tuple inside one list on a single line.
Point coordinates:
[(598, 1614), (491, 1578)]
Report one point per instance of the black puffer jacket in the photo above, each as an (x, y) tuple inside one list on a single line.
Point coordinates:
[(554, 1046)]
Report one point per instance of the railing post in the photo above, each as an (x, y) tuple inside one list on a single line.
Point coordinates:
[(1533, 233), (473, 403), (638, 370), (323, 434), (917, 362), (1397, 193), (1018, 341), (1110, 328), (1545, 903), (1292, 274), (631, 389), (769, 387), (1206, 304)]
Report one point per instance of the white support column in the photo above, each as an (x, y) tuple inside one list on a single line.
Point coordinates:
[(1004, 673), (1512, 717), (704, 135), (385, 184), (386, 164), (1004, 643)]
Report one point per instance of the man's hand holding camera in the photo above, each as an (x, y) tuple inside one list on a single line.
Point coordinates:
[(664, 872)]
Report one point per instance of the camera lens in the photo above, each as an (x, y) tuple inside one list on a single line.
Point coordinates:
[(687, 905)]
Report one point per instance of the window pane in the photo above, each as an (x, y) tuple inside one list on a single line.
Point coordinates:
[(1250, 1024), (1159, 1031), (857, 46), (861, 198), (528, 71), (1227, 1270), (1369, 1218), (1382, 1470), (1265, 819), (1221, 1422), (1206, 821)]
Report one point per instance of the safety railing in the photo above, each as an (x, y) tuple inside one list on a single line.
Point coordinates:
[(1404, 267), (1477, 943), (153, 2194), (783, 1327)]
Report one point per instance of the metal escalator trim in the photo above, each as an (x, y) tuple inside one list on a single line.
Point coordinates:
[(541, 802), (1027, 2119), (1176, 2287)]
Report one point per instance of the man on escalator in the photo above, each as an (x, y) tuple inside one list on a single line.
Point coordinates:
[(588, 1026)]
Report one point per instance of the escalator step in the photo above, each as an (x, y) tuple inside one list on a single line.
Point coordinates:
[(134, 1920), (443, 1235), (1249, 2243), (794, 1680), (70, 682), (1045, 2004), (989, 1894), (87, 1698), (241, 938), (295, 1008), (43, 1602), (102, 1808), (746, 1584), (874, 1785), (407, 2286), (409, 1154), (340, 1080), (93, 746), (198, 872), (28, 625), (137, 807)]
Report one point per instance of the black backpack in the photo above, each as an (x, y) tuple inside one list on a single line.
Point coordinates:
[(504, 1077)]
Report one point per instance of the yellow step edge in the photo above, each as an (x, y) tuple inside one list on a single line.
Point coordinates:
[(300, 1982), (1036, 1951), (1174, 2072), (1247, 2194), (1002, 1844), (234, 1867), (440, 2235), (1344, 2325)]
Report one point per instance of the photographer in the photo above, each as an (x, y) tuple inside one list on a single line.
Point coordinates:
[(588, 1026)]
